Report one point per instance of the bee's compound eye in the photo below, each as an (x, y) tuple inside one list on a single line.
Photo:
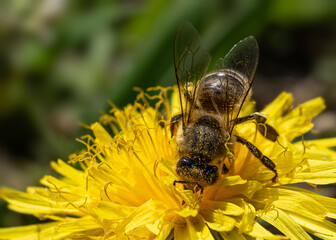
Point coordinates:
[(185, 161)]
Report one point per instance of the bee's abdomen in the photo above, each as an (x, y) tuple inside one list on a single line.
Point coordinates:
[(204, 140), (220, 91)]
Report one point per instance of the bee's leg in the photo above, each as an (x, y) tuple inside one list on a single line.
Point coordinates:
[(225, 169), (194, 173), (188, 97), (173, 121), (257, 153), (265, 129), (189, 182)]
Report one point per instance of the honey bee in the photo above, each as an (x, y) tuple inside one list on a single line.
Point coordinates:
[(210, 105)]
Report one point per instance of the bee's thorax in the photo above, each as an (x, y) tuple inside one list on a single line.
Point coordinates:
[(203, 140)]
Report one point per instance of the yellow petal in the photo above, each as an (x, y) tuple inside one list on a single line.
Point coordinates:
[(77, 177), (168, 167), (323, 229), (246, 221), (102, 136), (248, 189), (318, 172), (291, 201), (230, 181), (146, 213), (327, 202), (218, 221), (73, 225), (192, 229), (30, 204), (215, 214), (232, 235), (308, 109), (326, 142), (188, 197), (276, 108), (221, 194), (46, 231), (285, 224), (259, 231), (112, 211), (226, 208), (188, 211), (298, 121), (165, 231)]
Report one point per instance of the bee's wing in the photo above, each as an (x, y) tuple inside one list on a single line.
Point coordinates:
[(191, 62), (242, 59)]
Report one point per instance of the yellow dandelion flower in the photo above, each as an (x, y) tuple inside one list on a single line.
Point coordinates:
[(124, 189)]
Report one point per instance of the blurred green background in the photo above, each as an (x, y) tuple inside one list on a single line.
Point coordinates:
[(62, 60)]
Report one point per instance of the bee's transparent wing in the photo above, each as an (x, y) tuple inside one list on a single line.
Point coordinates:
[(243, 57), (191, 62), (242, 60)]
